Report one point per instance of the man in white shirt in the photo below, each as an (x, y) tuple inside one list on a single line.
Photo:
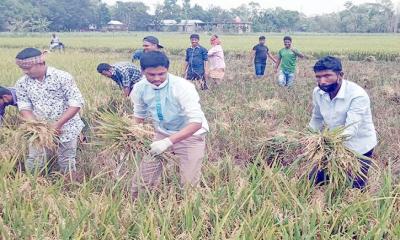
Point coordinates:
[(172, 103), (338, 102)]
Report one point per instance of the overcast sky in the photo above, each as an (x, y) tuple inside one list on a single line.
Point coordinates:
[(309, 7)]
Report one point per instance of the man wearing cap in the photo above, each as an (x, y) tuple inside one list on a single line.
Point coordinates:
[(339, 102), (8, 97), (150, 43), (125, 74), (48, 94), (196, 68)]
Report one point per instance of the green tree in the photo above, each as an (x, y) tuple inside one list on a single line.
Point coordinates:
[(133, 14)]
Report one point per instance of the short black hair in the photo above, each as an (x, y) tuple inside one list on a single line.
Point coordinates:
[(28, 53), (154, 59), (328, 63), (195, 35), (4, 91), (261, 38), (287, 38), (103, 67)]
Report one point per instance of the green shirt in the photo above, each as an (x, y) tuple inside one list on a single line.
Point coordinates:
[(288, 59)]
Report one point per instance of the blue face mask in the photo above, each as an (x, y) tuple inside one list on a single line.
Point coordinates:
[(329, 88)]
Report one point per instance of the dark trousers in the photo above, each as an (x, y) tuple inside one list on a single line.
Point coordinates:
[(320, 177), (260, 68), (194, 76)]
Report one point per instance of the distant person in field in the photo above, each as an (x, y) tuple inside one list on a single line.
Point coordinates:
[(48, 94), (125, 74), (196, 61), (55, 43), (150, 43), (8, 97), (339, 102), (287, 58), (172, 103), (216, 60), (259, 56)]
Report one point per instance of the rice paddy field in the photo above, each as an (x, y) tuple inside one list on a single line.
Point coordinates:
[(245, 193)]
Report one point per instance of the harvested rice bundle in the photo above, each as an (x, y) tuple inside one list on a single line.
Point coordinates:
[(281, 149), (39, 133), (119, 134), (326, 151)]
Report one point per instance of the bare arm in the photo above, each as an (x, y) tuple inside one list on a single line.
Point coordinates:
[(27, 115), (126, 91), (278, 62), (185, 68), (66, 116), (139, 120), (272, 57), (252, 54), (185, 132), (299, 54)]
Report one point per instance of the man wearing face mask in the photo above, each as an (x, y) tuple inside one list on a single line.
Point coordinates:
[(172, 103), (339, 102)]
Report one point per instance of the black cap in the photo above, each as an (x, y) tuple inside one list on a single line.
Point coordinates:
[(153, 40)]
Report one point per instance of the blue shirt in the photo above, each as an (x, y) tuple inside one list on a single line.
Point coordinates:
[(137, 54), (350, 108), (261, 53), (195, 58), (13, 103), (172, 105)]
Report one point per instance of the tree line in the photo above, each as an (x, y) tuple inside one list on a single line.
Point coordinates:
[(75, 15)]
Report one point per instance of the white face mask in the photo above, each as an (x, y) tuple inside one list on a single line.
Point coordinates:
[(160, 86)]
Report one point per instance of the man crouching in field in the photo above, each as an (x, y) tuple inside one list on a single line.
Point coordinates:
[(338, 102), (173, 105), (49, 94)]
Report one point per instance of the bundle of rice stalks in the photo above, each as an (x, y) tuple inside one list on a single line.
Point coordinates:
[(118, 133), (39, 134), (122, 139), (281, 149), (326, 151)]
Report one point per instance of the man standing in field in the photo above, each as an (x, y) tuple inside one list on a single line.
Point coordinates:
[(287, 58), (196, 68), (173, 105), (259, 56), (55, 43), (338, 102), (8, 97), (48, 94), (150, 43), (125, 74)]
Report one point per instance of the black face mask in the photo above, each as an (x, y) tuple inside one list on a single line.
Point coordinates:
[(329, 88)]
